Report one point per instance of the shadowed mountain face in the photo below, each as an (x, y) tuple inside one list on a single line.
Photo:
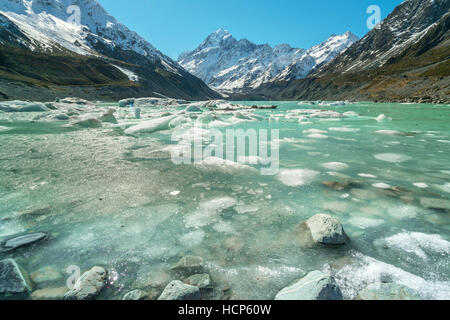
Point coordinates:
[(406, 59), (42, 55)]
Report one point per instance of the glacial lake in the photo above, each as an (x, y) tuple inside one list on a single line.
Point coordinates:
[(119, 201)]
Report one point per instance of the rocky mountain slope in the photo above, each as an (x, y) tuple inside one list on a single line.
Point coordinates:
[(406, 60), (230, 65), (44, 49)]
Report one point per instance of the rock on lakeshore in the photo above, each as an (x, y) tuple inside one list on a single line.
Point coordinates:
[(177, 290), (12, 279), (314, 286)]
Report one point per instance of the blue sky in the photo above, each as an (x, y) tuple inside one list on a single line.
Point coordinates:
[(174, 26)]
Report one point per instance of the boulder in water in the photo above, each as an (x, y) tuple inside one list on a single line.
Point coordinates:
[(314, 286), (322, 229), (189, 265), (177, 290), (135, 295), (202, 281), (12, 279)]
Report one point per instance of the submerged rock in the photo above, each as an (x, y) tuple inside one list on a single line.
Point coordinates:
[(435, 203), (23, 240), (12, 279), (202, 281), (314, 286), (177, 290), (323, 229), (49, 293), (189, 265), (387, 291), (45, 274), (340, 186), (135, 295), (88, 286)]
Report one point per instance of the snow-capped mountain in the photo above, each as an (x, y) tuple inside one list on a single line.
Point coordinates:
[(228, 64), (84, 27)]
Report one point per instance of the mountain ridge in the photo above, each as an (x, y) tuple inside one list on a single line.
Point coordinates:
[(39, 30), (229, 65)]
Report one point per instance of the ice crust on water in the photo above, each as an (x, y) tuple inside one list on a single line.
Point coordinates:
[(420, 244), (209, 212), (403, 212), (392, 157), (366, 270), (335, 166), (296, 177)]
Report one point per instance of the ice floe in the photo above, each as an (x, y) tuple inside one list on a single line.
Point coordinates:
[(296, 177), (392, 157)]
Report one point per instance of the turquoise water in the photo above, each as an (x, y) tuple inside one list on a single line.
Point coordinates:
[(119, 201)]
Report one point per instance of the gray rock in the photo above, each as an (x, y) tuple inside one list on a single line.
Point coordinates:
[(12, 279), (177, 290), (314, 286), (326, 229), (387, 291), (88, 286), (202, 281), (135, 295), (23, 240), (189, 265)]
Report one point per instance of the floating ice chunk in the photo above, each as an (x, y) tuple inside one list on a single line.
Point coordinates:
[(364, 223), (419, 243), (22, 106), (421, 185), (403, 212), (193, 239), (175, 193), (350, 114), (392, 157), (317, 136), (2, 128), (445, 187), (382, 117), (296, 177), (209, 211), (335, 166), (224, 165), (444, 141), (314, 131), (381, 185), (250, 160), (390, 132), (343, 129), (367, 175), (218, 123), (151, 126)]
